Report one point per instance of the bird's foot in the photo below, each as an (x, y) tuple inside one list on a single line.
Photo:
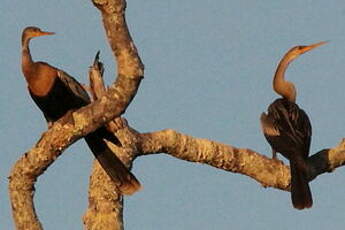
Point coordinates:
[(275, 157)]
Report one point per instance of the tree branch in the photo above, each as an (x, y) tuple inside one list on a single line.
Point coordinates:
[(105, 205), (113, 16), (105, 210), (266, 171), (75, 125), (105, 202)]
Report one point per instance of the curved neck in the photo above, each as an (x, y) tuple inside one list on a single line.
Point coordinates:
[(27, 61), (284, 88)]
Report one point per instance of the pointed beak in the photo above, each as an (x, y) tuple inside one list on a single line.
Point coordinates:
[(313, 46), (46, 33)]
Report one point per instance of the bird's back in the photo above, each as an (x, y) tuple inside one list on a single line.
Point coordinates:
[(64, 94), (292, 128)]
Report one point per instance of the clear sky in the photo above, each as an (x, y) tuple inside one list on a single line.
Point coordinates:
[(209, 67)]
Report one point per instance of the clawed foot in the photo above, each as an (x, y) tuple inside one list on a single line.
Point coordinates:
[(275, 157)]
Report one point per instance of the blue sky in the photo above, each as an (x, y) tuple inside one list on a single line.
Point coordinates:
[(209, 67)]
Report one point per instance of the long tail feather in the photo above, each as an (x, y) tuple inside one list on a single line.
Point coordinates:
[(300, 192), (128, 184)]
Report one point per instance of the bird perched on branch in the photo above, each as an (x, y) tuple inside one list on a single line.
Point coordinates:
[(288, 130), (56, 93)]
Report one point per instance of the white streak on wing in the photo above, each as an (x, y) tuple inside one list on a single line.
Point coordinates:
[(267, 126)]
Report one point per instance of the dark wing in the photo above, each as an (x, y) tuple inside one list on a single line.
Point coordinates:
[(302, 127), (128, 184), (72, 84), (287, 128), (64, 94)]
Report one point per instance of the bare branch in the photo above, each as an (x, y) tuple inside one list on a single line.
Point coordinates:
[(75, 125), (97, 87), (105, 210), (268, 172), (113, 15), (105, 205), (105, 202), (31, 165)]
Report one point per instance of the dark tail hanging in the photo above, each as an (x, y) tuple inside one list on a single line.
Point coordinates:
[(113, 166), (300, 192)]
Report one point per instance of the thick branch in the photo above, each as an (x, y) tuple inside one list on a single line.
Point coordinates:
[(268, 172), (31, 165), (244, 161), (105, 202), (105, 205), (105, 210), (113, 15), (75, 125)]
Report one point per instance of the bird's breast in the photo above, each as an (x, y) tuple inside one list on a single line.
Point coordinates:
[(57, 101), (40, 78)]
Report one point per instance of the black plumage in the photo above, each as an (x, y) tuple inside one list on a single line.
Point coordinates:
[(288, 130)]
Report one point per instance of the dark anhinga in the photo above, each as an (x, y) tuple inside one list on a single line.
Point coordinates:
[(288, 130), (55, 93)]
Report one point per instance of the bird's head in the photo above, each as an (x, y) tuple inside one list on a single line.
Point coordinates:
[(296, 51), (32, 31)]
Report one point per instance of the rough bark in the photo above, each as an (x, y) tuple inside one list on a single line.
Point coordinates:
[(266, 171), (105, 202), (105, 210), (105, 205), (77, 124)]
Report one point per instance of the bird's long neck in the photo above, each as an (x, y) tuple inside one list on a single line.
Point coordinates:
[(27, 62), (284, 88), (39, 76)]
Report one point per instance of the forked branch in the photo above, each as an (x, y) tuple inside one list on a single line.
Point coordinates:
[(77, 124), (112, 104)]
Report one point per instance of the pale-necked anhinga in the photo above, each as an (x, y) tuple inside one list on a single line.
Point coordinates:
[(288, 130), (55, 93)]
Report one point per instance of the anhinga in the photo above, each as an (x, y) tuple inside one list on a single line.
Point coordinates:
[(55, 93), (288, 130)]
